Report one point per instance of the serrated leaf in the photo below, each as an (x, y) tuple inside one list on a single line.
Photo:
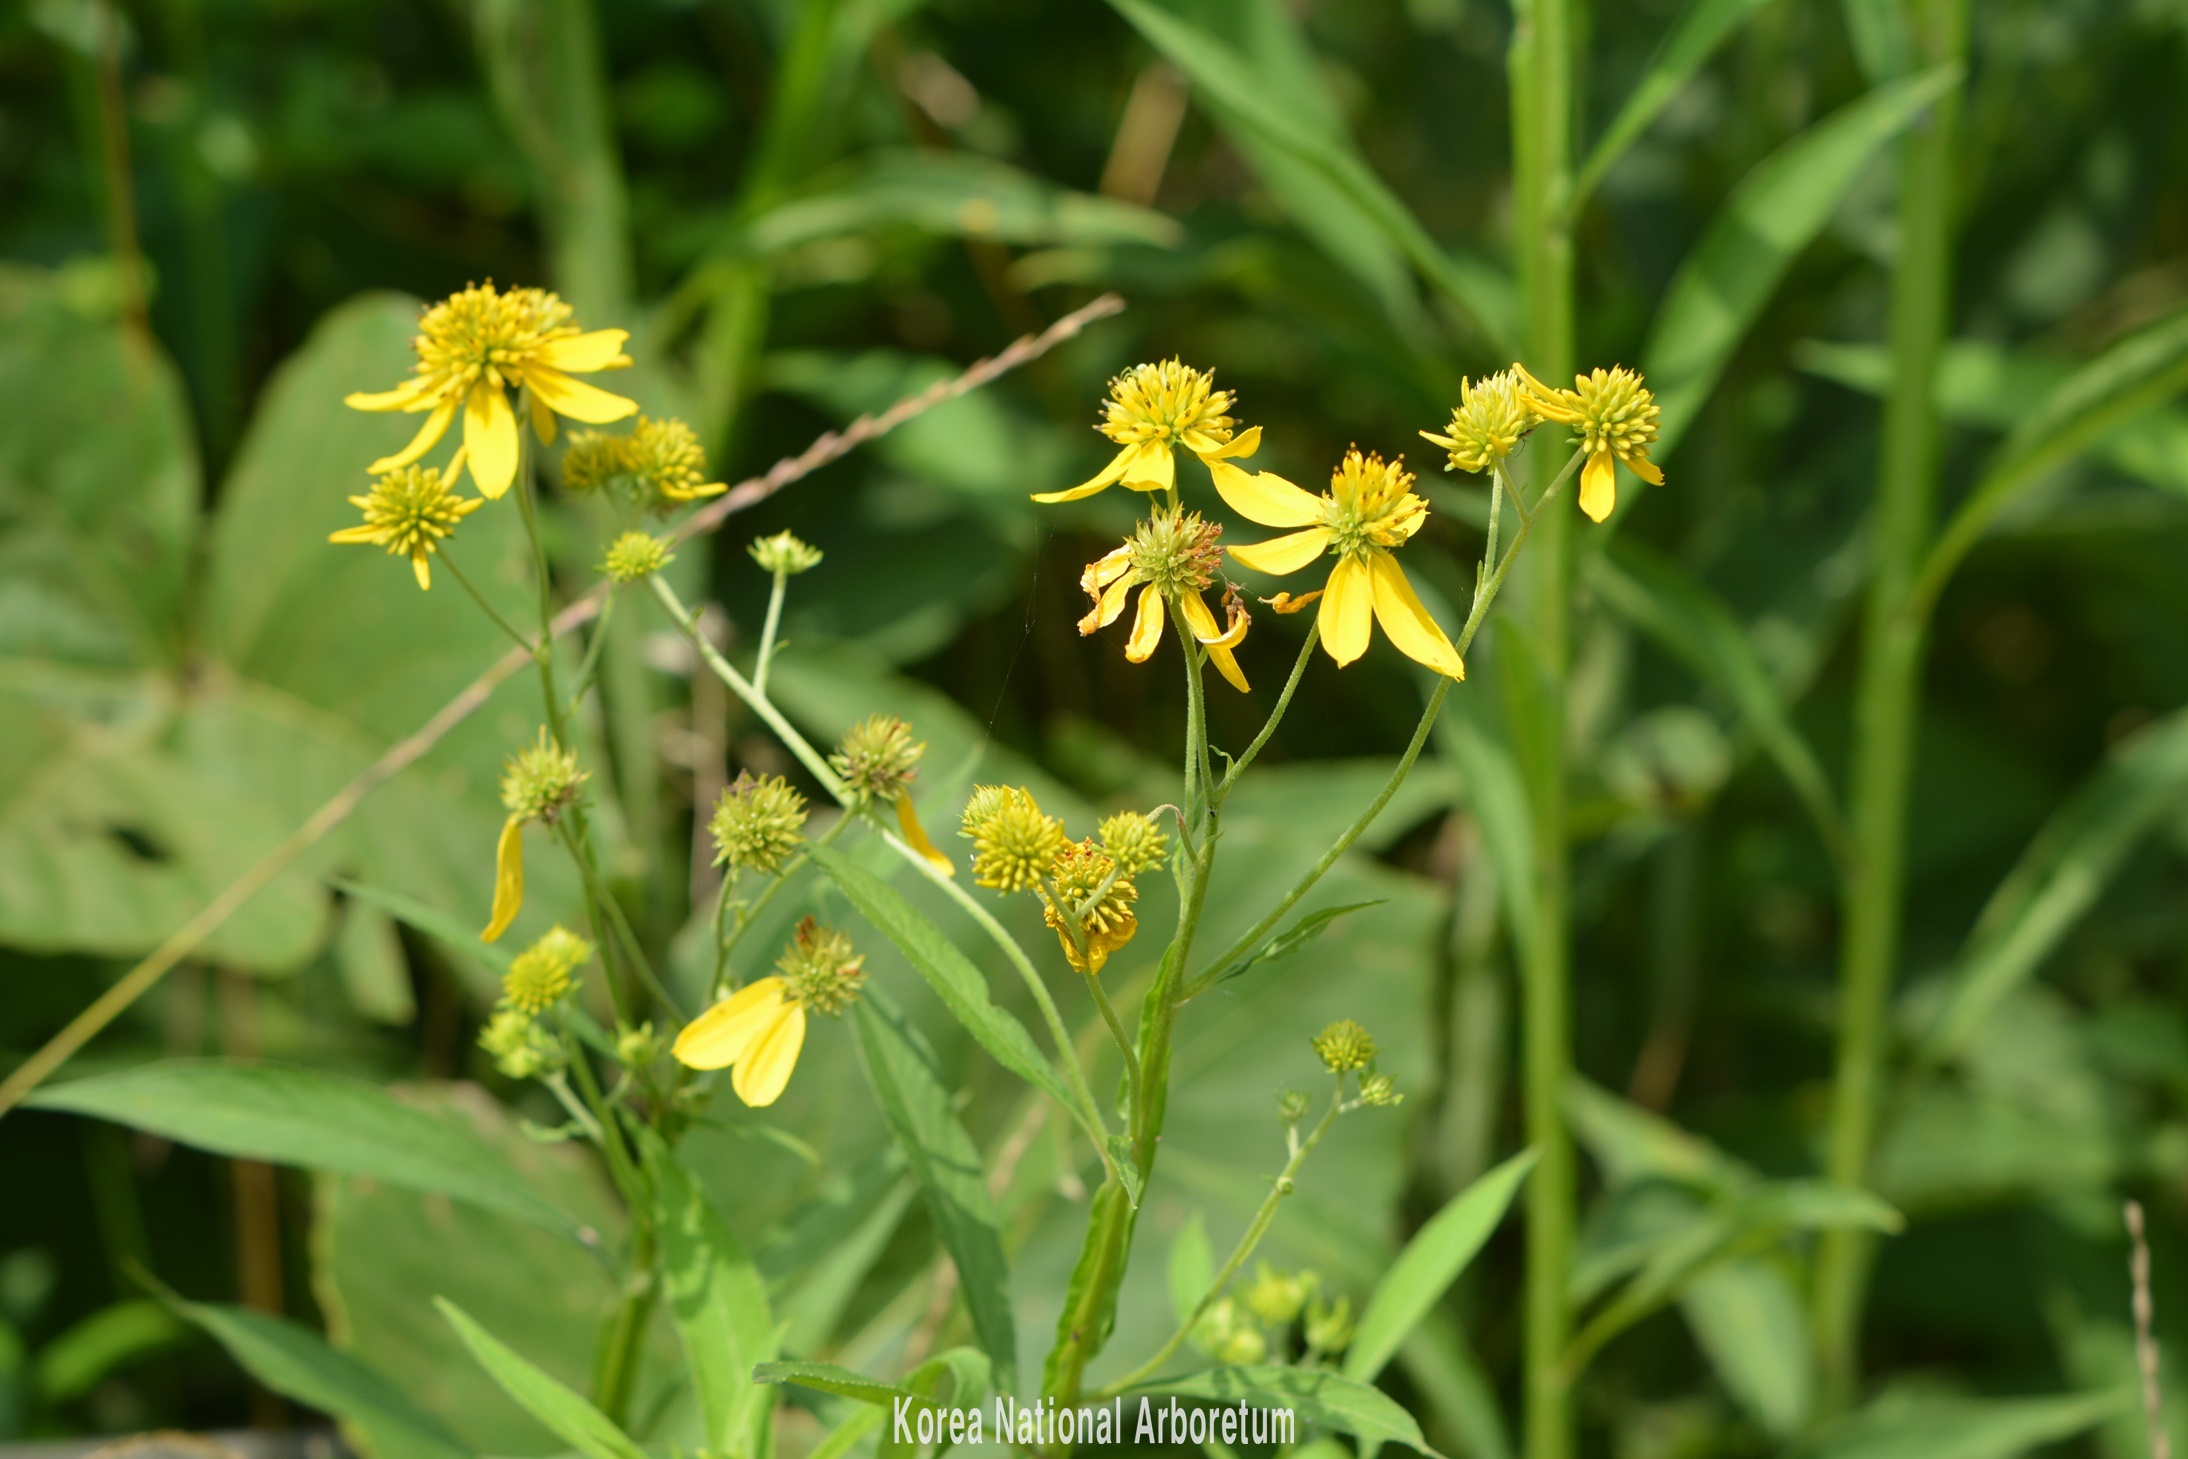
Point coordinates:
[(579, 1424), (1430, 1263), (1314, 1395), (842, 1382), (1292, 938), (301, 1117)]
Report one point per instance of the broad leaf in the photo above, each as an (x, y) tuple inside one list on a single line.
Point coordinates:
[(918, 1107), (949, 972), (292, 1116), (1934, 1427), (1314, 1396), (1696, 32), (1430, 1263), (575, 1421), (719, 1304), (1747, 1318), (1774, 213), (2063, 873)]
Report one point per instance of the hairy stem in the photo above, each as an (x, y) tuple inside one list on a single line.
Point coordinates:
[(1276, 715)]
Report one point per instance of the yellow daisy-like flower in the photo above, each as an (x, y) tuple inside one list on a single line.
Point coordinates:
[(760, 1029), (1079, 870), (1616, 417), (1172, 558), (666, 459), (1492, 416), (1369, 510), (1153, 410), (408, 511), (473, 348)]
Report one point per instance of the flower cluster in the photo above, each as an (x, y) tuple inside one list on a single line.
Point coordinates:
[(658, 465), (1611, 411), (539, 978), (1086, 887), (758, 1031), (1255, 1325), (1346, 1048)]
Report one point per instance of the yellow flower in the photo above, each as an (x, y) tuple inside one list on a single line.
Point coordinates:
[(1174, 555), (1153, 409), (1080, 870), (1615, 416), (540, 976), (670, 466), (538, 783), (1368, 511), (635, 555), (474, 347), (1493, 414), (408, 511), (761, 1028), (1013, 840)]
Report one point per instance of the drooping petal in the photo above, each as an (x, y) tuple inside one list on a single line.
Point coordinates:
[(1152, 468), (1406, 623), (1550, 404), (764, 1071), (1107, 606), (508, 879), (357, 534), (1598, 486), (429, 435), (543, 419), (1218, 641), (1106, 569), (915, 836), (1146, 627), (1286, 603), (490, 439), (1347, 612), (576, 399), (1228, 667), (1265, 497), (400, 398), (1105, 477), (584, 353), (1646, 469), (724, 1033), (1280, 555), (1238, 448), (420, 566)]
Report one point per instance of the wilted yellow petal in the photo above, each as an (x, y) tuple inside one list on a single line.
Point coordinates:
[(429, 435), (584, 353), (1347, 611), (1280, 555), (1265, 497), (915, 836), (1146, 627), (490, 439), (1406, 623), (1106, 569), (508, 879), (1107, 607), (765, 1069), (1646, 469), (724, 1033), (1598, 486)]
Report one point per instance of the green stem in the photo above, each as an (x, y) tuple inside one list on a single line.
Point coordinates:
[(448, 560), (625, 937), (544, 655), (1887, 705), (590, 665), (1196, 715), (1255, 1230), (1276, 715), (767, 633), (814, 762), (1116, 1029)]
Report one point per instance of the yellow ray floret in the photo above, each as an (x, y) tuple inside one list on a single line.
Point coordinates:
[(476, 346), (1152, 411), (758, 1030), (410, 511), (1171, 558), (1368, 511), (1616, 417)]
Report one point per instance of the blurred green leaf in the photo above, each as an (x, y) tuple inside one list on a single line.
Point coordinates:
[(1458, 1394), (93, 1349), (301, 1117), (298, 1363), (1495, 793), (1922, 1426), (486, 960), (1748, 1320), (1290, 940), (719, 1304), (912, 1095), (1632, 1144), (579, 1424), (964, 1364), (952, 976), (1192, 1265), (970, 1378), (1774, 213), (369, 953), (1430, 1263), (2062, 874), (1700, 27), (1314, 1396)]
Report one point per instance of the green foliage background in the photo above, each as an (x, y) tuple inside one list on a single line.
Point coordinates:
[(805, 211)]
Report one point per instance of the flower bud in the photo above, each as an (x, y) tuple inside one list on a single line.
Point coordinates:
[(590, 461), (635, 555), (1329, 1325), (1277, 1297), (1492, 417), (540, 781), (666, 460), (1014, 842), (784, 553), (1080, 871), (520, 1048), (539, 978), (823, 971), (755, 823), (1291, 1105), (878, 758), (1135, 842), (1344, 1046), (1377, 1089), (635, 1048)]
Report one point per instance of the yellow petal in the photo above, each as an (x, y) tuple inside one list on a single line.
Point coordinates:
[(576, 399), (421, 567), (915, 836), (490, 439), (1598, 486), (1646, 469), (397, 399), (585, 353), (1239, 447), (1228, 667), (1107, 606), (1106, 569), (1280, 555), (429, 435), (1550, 404), (1406, 623), (724, 1033), (357, 534), (1105, 477), (543, 419), (1347, 611), (508, 879), (1286, 603), (694, 493), (1265, 497), (765, 1069), (1152, 468), (1146, 627)]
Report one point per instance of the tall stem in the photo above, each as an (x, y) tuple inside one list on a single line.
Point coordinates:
[(767, 632), (1887, 706), (1542, 90)]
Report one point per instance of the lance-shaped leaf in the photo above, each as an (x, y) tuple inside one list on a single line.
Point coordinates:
[(575, 1421), (719, 1303), (1289, 941), (1311, 1396)]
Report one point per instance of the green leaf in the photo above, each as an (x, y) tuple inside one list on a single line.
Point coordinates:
[(298, 1363), (483, 963), (292, 1116), (89, 1351), (375, 975), (918, 1107), (1747, 1318), (949, 972), (1491, 784), (1454, 1387), (828, 1378), (1247, 101), (1192, 1265), (1632, 1144), (1683, 615), (1774, 213), (1430, 1263), (573, 1420), (953, 194), (970, 1376), (1698, 30), (719, 1304), (2062, 874), (1936, 1427), (1291, 939), (1314, 1395)]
